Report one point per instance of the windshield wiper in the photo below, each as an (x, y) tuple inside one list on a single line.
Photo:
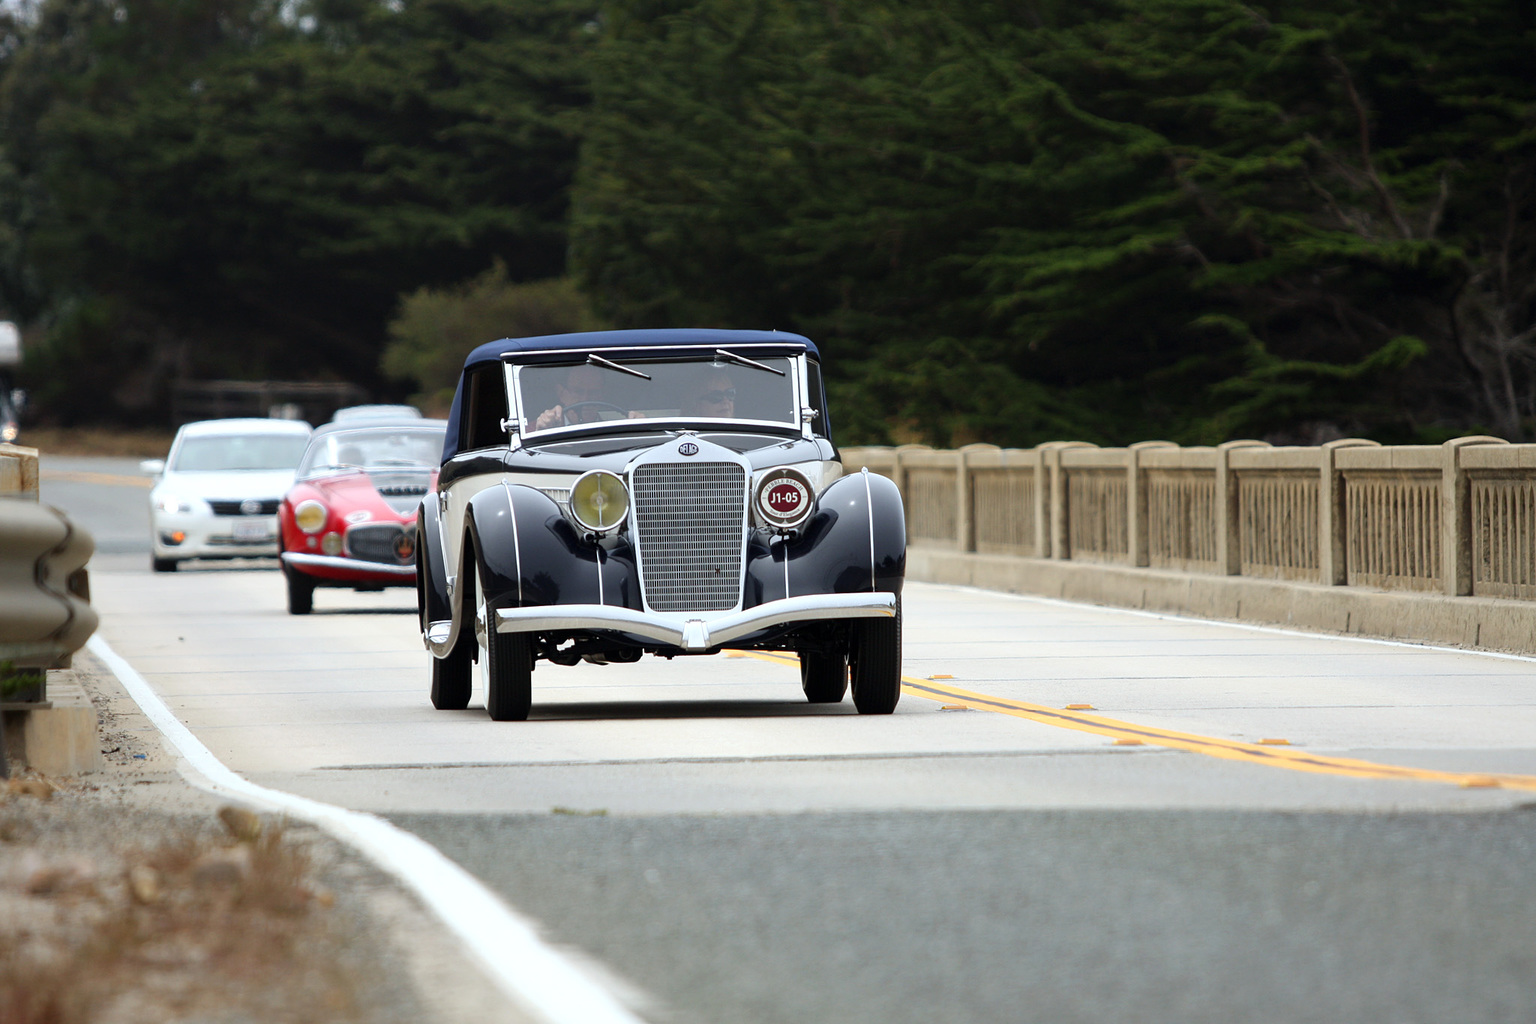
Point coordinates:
[(609, 364), (721, 353)]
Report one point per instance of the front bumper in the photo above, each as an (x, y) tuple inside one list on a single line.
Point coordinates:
[(691, 634), (210, 536), (348, 570)]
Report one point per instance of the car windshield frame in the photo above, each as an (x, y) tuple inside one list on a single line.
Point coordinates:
[(333, 442), (198, 444), (529, 397)]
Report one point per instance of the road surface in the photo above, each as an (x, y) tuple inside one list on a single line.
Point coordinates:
[(1076, 813)]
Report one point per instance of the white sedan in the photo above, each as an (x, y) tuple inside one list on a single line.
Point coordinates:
[(219, 488)]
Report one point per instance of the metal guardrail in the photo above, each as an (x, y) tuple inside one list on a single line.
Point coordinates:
[(45, 611), (1457, 518)]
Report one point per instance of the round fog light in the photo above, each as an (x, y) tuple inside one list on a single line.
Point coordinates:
[(599, 501), (331, 543)]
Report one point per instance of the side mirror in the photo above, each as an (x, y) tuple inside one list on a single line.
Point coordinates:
[(152, 467)]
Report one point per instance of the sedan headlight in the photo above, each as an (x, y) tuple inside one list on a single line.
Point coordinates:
[(310, 516), (171, 503), (785, 498), (599, 501)]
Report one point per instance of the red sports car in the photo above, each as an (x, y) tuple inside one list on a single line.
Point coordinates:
[(350, 518)]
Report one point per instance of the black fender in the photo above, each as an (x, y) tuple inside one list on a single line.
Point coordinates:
[(528, 554), (854, 543), (432, 604)]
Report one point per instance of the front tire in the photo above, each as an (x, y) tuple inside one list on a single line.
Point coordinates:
[(163, 564), (301, 593), (875, 664), (453, 676), (508, 676), (823, 676)]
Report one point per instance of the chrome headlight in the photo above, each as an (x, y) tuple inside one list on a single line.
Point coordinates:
[(599, 501), (310, 516), (784, 498), (171, 503)]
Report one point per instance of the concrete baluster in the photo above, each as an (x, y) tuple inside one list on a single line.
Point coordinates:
[(1455, 505), (900, 474), (1051, 451), (965, 495), (1229, 547), (1044, 503), (1136, 498), (1332, 535)]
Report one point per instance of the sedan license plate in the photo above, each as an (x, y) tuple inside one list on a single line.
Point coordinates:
[(251, 533)]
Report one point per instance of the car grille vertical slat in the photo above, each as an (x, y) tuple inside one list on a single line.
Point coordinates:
[(691, 521)]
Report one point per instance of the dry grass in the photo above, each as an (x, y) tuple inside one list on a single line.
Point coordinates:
[(143, 444), (197, 927)]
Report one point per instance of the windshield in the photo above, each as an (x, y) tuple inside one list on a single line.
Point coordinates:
[(707, 388), (226, 452), (370, 449)]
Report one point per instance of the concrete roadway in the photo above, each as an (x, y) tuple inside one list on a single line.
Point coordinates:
[(982, 855)]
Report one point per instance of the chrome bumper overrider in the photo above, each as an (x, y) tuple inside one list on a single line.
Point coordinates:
[(299, 559), (690, 634)]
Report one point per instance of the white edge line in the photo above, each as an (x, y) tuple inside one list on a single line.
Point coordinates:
[(531, 973), (1230, 624)]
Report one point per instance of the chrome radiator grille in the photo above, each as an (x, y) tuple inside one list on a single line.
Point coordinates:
[(691, 522), (377, 542)]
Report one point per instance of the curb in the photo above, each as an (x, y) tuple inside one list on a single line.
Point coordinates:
[(1486, 623)]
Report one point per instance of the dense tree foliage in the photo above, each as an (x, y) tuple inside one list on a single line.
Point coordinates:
[(243, 187), (1108, 220), (1006, 220)]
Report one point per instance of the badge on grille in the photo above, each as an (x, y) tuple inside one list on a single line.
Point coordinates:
[(687, 448), (250, 507), (405, 547)]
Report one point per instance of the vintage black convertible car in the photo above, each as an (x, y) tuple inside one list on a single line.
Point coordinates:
[(672, 492)]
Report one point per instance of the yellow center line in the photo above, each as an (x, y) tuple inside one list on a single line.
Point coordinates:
[(110, 479), (1210, 746)]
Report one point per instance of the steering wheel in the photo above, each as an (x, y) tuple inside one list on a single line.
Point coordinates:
[(566, 415)]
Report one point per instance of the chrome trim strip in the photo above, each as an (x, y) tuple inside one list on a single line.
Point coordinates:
[(350, 564), (601, 598), (696, 634), (517, 544), (869, 510)]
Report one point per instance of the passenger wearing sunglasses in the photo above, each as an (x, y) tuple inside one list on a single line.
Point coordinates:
[(716, 399)]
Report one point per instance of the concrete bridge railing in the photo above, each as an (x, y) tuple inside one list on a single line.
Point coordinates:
[(1456, 520)]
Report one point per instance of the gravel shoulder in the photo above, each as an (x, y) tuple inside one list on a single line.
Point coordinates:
[(125, 896)]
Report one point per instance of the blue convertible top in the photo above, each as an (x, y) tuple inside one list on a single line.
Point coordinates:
[(670, 337)]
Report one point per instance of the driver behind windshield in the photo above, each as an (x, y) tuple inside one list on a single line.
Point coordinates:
[(581, 387)]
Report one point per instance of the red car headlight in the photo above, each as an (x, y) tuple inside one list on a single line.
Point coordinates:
[(310, 516)]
